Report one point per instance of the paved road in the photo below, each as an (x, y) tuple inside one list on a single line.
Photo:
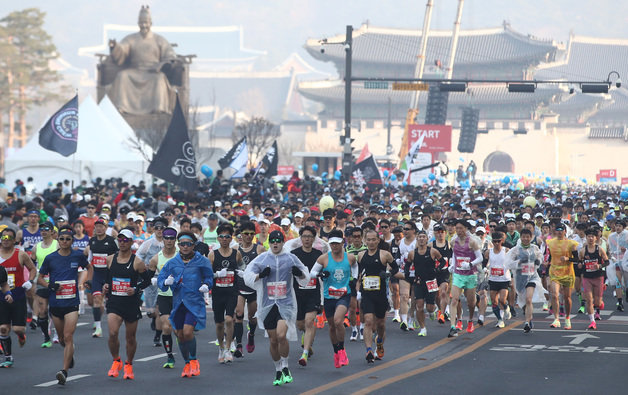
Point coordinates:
[(487, 360)]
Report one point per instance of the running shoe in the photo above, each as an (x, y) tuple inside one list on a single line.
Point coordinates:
[(555, 324), (337, 364), (379, 350), (310, 352), (354, 335), (116, 366), (221, 355), (597, 316), (513, 311), (423, 332), (278, 378), (186, 370), (195, 367), (602, 305), (55, 339), (500, 324), (347, 323), (232, 347), (452, 332), (362, 333), (320, 321), (6, 364), (169, 364), (128, 371), (526, 328), (446, 315), (228, 356), (33, 324), (459, 325), (592, 325), (480, 322), (507, 314), (581, 310), (567, 324), (97, 332), (441, 318), (250, 346), (396, 318), (287, 376), (545, 306), (156, 342), (470, 327), (238, 351), (620, 306), (46, 344), (403, 326), (411, 324), (21, 339), (370, 358), (61, 377), (303, 359), (342, 357)]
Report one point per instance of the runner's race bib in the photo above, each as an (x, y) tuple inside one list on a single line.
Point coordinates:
[(336, 293), (67, 289), (527, 269), (310, 285), (411, 271), (371, 283), (119, 286), (497, 271), (463, 263), (11, 281), (590, 265), (277, 289), (226, 281), (432, 285), (99, 261)]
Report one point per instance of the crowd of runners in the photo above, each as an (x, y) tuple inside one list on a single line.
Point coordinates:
[(296, 256)]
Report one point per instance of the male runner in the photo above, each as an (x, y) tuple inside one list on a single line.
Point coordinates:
[(42, 249), (394, 281), (356, 245), (407, 244), (442, 271), (562, 278), (499, 278)]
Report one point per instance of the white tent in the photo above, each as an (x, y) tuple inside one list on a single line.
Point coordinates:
[(102, 151)]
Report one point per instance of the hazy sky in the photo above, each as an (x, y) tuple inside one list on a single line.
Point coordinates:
[(282, 26)]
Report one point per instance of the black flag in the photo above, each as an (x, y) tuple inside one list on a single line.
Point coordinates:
[(60, 133), (175, 160), (270, 160), (232, 154), (366, 172)]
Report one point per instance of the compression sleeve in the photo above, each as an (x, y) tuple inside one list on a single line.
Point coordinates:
[(478, 258), (315, 270)]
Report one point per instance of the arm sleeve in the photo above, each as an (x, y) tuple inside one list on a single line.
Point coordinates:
[(163, 275), (143, 250), (354, 270), (315, 270), (207, 273), (394, 268), (478, 258)]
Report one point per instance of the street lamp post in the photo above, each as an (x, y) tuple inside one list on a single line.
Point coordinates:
[(347, 154)]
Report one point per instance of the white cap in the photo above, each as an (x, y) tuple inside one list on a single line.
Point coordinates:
[(430, 201), (126, 233), (131, 217), (103, 216), (538, 215), (336, 240), (285, 222), (298, 215), (264, 221), (246, 202), (480, 229), (171, 201), (217, 203), (525, 216)]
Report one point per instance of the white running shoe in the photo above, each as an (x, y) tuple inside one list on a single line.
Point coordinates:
[(507, 314), (423, 332), (221, 355)]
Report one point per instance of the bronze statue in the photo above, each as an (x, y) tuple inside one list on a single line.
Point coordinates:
[(141, 87)]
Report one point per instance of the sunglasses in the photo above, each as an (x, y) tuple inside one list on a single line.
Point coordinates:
[(224, 236), (248, 233), (275, 241), (384, 227), (91, 207), (169, 237), (124, 240), (158, 227), (268, 215), (497, 241), (8, 237), (186, 243), (106, 209), (407, 228), (328, 217), (65, 239)]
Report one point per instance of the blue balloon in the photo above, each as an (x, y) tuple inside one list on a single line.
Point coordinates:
[(567, 178), (300, 167), (393, 177), (315, 167), (461, 159), (506, 180), (386, 173), (337, 174), (324, 175), (425, 180), (405, 183), (441, 180), (454, 171), (207, 171), (624, 195), (548, 179), (465, 175), (431, 176)]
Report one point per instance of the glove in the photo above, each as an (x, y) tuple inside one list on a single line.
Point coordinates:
[(53, 287), (222, 272), (296, 271), (451, 268), (358, 295), (169, 280), (153, 281), (240, 273), (27, 285), (384, 274), (204, 288), (324, 274), (265, 272)]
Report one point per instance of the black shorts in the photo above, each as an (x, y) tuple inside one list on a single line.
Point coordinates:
[(442, 276), (130, 311), (531, 285), (43, 293), (249, 298), (273, 316), (578, 271), (165, 304), (306, 304), (13, 313), (330, 305), (224, 304), (421, 292), (352, 285), (394, 280), (60, 312), (498, 285), (374, 304)]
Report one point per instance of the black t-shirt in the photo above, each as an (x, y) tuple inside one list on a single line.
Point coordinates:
[(325, 235), (308, 259), (225, 285), (4, 277)]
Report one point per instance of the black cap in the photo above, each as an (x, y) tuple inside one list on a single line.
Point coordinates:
[(397, 229), (560, 227), (438, 227), (275, 234), (213, 216)]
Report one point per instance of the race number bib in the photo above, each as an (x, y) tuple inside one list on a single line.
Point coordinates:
[(99, 261), (527, 269), (432, 285), (310, 285), (411, 270), (11, 280), (497, 271), (337, 293), (463, 263), (67, 289), (226, 281), (119, 286), (590, 265), (277, 289), (371, 283)]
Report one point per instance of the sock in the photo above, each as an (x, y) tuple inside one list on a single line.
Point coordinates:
[(167, 341), (361, 326), (404, 317), (43, 325), (283, 362), (620, 300), (369, 349), (157, 334), (591, 317), (5, 341), (192, 348), (497, 312), (306, 352), (278, 365), (597, 310), (96, 313), (481, 318), (354, 328), (238, 329), (252, 326), (185, 353), (341, 346), (396, 312), (336, 347), (97, 323)]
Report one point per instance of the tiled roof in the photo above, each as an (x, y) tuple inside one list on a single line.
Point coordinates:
[(615, 111), (607, 133), (577, 107), (397, 49)]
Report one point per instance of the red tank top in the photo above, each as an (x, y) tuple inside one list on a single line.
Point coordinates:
[(14, 270)]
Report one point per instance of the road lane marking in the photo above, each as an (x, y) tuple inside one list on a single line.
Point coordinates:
[(146, 359), (579, 330), (562, 349), (439, 363), (577, 339), (82, 323), (618, 318), (70, 378)]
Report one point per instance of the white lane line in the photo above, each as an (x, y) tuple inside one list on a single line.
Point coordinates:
[(618, 318), (82, 323), (146, 359), (70, 378), (562, 331)]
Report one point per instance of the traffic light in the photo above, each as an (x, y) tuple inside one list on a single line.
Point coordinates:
[(469, 129), (436, 109)]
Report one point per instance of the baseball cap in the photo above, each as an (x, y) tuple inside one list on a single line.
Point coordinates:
[(274, 235), (100, 221), (560, 227), (480, 229), (285, 222), (265, 221), (213, 216), (298, 215), (126, 233)]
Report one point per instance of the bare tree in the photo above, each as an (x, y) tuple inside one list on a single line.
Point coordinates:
[(260, 134)]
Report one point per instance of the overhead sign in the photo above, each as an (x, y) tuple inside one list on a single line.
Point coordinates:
[(437, 137), (285, 170), (624, 180), (608, 173), (409, 86), (375, 84)]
